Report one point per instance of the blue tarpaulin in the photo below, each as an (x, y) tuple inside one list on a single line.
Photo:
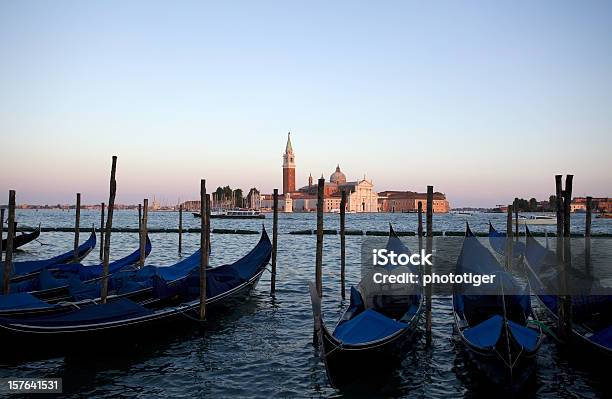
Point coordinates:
[(90, 272), (525, 336), (367, 326), (21, 300), (21, 268), (118, 309), (485, 334)]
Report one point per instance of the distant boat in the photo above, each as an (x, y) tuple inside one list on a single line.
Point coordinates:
[(537, 219), (605, 216), (234, 214), (336, 210), (467, 213)]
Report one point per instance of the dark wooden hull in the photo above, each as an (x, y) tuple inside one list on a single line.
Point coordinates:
[(22, 239)]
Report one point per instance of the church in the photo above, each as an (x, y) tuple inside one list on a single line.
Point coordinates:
[(361, 196)]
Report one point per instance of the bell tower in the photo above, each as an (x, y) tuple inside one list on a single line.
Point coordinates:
[(288, 167)]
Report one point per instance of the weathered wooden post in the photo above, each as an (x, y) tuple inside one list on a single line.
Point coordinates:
[(77, 221), (109, 226), (516, 218), (274, 240), (102, 231), (420, 218), (587, 235), (180, 228), (208, 210), (429, 247), (562, 326), (1, 232), (8, 260), (567, 256), (319, 253), (203, 249), (143, 233), (589, 215), (509, 238), (559, 204), (342, 243), (567, 205)]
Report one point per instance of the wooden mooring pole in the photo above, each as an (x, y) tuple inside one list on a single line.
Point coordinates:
[(559, 253), (587, 235), (567, 201), (208, 241), (274, 241), (77, 222), (319, 253), (143, 232), (1, 232), (559, 204), (343, 244), (109, 227), (516, 219), (8, 260), (102, 231), (180, 230), (567, 255), (509, 237), (563, 310), (428, 250), (420, 221), (203, 248), (139, 227)]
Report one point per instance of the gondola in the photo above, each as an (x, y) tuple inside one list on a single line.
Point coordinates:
[(125, 320), (22, 239), (374, 333), (28, 269), (495, 322), (54, 284), (138, 284), (497, 240), (591, 314)]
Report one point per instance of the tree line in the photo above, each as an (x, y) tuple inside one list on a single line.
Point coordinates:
[(226, 197), (532, 205)]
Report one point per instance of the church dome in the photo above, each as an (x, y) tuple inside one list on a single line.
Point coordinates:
[(337, 177)]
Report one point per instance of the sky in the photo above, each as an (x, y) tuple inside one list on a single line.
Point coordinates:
[(485, 101)]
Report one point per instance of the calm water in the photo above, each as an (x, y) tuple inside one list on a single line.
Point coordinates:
[(264, 347)]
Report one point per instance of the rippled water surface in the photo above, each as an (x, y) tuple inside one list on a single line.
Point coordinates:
[(263, 348)]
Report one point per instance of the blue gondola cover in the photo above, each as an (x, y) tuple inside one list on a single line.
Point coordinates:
[(367, 326), (21, 300)]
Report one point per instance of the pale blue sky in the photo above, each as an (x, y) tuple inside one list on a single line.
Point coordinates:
[(484, 100)]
